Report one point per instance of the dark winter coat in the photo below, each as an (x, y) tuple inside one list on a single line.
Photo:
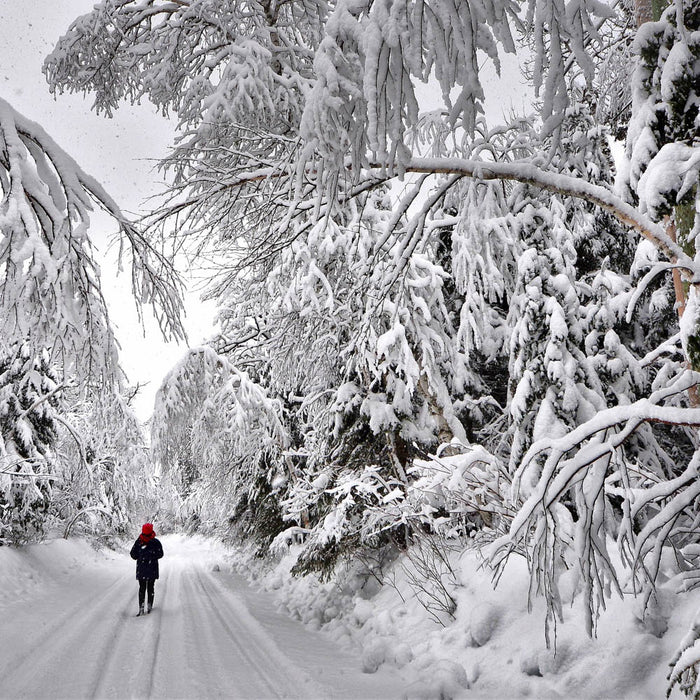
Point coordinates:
[(147, 556)]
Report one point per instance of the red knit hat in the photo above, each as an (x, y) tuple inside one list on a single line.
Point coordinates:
[(147, 529)]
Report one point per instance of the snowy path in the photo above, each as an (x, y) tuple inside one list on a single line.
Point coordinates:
[(209, 636)]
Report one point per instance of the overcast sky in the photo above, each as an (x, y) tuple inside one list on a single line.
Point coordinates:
[(119, 152)]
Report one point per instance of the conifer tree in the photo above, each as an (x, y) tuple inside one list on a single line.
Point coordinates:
[(29, 404)]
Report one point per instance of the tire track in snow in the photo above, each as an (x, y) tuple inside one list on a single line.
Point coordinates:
[(106, 656), (282, 678), (216, 653), (129, 648), (168, 677), (48, 634), (57, 649), (164, 599), (262, 670)]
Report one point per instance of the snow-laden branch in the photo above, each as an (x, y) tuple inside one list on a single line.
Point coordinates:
[(41, 400), (575, 468), (530, 174), (50, 288), (154, 279), (554, 482), (519, 171), (86, 511)]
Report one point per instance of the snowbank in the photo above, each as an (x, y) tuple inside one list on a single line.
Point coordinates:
[(25, 570), (492, 647)]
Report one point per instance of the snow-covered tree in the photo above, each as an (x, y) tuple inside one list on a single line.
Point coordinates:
[(29, 405), (56, 331), (107, 477), (217, 435), (297, 117)]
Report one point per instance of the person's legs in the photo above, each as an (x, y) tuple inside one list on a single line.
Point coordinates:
[(142, 592), (151, 584)]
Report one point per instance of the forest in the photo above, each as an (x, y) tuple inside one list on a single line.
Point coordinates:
[(435, 333)]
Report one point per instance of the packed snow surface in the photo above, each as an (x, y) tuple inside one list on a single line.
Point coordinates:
[(69, 631)]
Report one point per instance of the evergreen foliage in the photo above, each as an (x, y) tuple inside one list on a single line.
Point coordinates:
[(28, 437)]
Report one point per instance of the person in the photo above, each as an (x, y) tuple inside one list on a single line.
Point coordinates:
[(147, 550)]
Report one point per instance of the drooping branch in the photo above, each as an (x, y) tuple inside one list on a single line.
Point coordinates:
[(569, 457), (85, 511), (523, 172), (530, 174), (54, 198), (42, 399)]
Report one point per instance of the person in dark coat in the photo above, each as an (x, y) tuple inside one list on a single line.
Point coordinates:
[(147, 550)]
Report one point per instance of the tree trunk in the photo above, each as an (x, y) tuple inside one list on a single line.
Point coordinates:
[(643, 12), (398, 450), (446, 433), (678, 287)]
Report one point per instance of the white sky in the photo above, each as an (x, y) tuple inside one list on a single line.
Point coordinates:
[(119, 152)]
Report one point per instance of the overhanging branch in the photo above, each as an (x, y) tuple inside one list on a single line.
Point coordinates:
[(530, 174), (524, 172)]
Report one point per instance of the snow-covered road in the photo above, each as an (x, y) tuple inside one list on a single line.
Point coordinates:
[(209, 635)]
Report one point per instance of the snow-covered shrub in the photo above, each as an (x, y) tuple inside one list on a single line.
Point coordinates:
[(457, 496), (431, 576)]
